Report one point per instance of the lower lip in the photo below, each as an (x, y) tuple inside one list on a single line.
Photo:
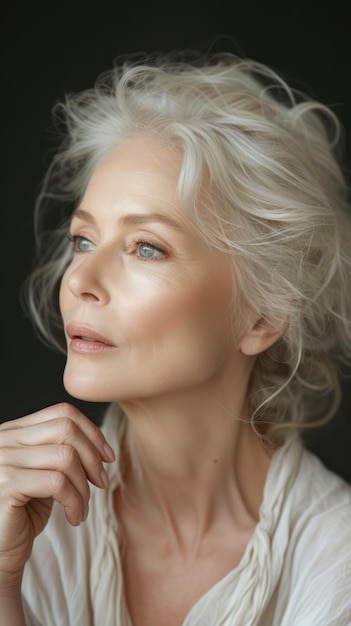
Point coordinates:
[(82, 346)]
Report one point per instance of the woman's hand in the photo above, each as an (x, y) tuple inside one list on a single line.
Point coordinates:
[(46, 456)]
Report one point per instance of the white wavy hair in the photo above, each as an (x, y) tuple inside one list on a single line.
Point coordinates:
[(264, 161)]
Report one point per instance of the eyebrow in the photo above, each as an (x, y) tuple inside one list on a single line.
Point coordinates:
[(133, 219)]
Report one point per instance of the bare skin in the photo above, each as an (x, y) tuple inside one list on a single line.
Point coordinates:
[(193, 526), (147, 301), (49, 455)]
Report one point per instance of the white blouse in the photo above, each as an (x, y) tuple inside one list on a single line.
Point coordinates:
[(296, 569)]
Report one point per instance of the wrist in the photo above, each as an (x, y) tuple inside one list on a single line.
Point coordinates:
[(11, 585), (11, 609)]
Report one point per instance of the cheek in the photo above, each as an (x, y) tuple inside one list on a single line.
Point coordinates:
[(193, 305), (64, 296)]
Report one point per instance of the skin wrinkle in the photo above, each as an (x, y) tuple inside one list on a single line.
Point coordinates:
[(213, 347), (180, 370)]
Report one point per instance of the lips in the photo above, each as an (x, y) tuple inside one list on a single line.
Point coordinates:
[(84, 339)]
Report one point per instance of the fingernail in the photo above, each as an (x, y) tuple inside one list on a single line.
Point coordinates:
[(104, 478), (109, 453)]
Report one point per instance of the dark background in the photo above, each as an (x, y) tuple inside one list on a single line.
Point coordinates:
[(56, 48)]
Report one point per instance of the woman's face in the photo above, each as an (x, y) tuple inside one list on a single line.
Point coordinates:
[(145, 301)]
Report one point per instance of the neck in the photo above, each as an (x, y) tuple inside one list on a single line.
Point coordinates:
[(193, 461)]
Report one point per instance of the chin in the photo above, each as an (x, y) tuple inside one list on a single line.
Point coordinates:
[(83, 388), (84, 394)]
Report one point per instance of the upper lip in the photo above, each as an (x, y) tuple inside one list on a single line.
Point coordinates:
[(78, 330)]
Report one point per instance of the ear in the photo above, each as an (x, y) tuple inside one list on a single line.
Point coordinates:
[(261, 336)]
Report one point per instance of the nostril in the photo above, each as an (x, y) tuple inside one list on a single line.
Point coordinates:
[(91, 297)]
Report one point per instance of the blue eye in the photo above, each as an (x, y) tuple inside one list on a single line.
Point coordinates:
[(80, 244), (148, 251)]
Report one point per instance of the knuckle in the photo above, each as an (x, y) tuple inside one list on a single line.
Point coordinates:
[(58, 482), (66, 427), (67, 455), (65, 409), (6, 476)]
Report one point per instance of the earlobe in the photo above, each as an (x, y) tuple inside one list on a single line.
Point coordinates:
[(261, 336)]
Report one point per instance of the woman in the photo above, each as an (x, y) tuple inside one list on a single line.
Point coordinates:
[(205, 295)]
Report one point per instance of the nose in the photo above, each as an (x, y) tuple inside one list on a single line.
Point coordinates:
[(86, 278)]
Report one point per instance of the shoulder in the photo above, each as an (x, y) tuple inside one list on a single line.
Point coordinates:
[(315, 506), (323, 500), (315, 583), (304, 489)]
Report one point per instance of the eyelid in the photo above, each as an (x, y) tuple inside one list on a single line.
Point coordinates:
[(147, 239), (74, 239), (144, 241)]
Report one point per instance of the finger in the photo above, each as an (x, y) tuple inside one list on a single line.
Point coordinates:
[(65, 411), (59, 458), (62, 409), (19, 486), (58, 432)]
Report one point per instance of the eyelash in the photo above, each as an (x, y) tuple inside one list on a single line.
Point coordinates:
[(141, 242), (74, 239)]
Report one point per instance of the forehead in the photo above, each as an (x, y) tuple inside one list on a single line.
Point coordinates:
[(138, 176), (138, 165)]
